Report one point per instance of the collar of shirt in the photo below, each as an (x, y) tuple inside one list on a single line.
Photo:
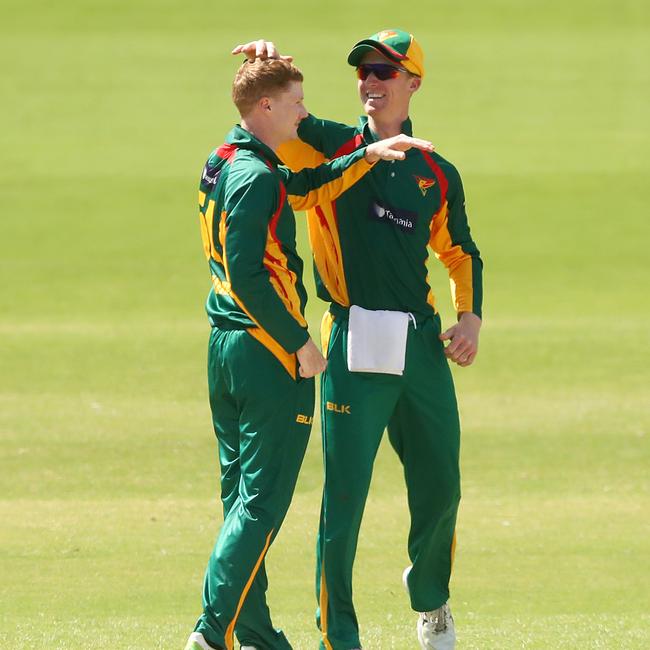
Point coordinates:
[(370, 136), (246, 140)]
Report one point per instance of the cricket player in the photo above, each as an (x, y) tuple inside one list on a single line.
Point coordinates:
[(261, 360), (382, 336)]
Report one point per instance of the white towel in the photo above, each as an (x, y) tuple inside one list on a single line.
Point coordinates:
[(377, 340)]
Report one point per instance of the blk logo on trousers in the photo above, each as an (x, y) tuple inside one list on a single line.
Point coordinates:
[(338, 408)]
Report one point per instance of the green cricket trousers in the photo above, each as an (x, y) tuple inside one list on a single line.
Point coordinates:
[(420, 411), (262, 419)]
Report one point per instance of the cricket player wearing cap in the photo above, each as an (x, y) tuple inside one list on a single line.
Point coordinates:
[(261, 360), (387, 360)]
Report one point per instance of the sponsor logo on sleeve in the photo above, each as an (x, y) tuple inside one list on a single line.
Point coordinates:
[(210, 175)]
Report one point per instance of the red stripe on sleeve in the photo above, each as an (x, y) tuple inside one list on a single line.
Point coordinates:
[(276, 216), (442, 179), (349, 146)]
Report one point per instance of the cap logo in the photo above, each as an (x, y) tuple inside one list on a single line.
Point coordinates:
[(385, 35), (424, 183)]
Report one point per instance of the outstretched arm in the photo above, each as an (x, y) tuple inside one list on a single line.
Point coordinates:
[(328, 181)]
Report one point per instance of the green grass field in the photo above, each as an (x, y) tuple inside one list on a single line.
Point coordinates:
[(108, 475)]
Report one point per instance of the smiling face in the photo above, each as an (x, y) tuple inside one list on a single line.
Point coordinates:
[(286, 111), (386, 101)]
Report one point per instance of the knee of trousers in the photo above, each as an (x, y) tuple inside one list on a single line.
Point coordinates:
[(437, 502), (269, 513), (449, 506), (450, 497), (345, 500)]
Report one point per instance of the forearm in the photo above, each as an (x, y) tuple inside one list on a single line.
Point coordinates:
[(256, 295), (466, 283), (327, 182)]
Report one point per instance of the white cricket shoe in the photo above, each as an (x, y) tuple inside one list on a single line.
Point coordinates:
[(405, 576), (248, 647), (435, 629), (197, 642)]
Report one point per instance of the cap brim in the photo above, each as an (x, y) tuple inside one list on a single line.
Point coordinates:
[(363, 47)]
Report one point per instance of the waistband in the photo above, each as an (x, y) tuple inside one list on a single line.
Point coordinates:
[(226, 325), (339, 311)]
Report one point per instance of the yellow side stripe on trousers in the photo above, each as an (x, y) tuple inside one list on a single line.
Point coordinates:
[(326, 332), (453, 550), (230, 631), (323, 607)]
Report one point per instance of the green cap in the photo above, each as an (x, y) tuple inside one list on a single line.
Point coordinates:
[(396, 45)]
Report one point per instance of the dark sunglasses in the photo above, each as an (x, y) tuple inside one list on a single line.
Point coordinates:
[(382, 71)]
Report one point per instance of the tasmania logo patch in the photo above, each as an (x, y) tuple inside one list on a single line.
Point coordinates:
[(424, 183), (385, 35), (403, 219)]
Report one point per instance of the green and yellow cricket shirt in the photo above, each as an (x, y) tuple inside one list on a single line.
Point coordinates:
[(371, 245), (249, 237)]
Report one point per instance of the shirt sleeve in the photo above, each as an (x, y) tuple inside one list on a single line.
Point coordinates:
[(250, 202), (315, 132), (318, 140), (453, 245), (324, 183)]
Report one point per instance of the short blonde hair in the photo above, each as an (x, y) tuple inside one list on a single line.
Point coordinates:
[(261, 78)]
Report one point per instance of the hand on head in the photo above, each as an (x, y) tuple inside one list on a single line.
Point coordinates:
[(260, 49)]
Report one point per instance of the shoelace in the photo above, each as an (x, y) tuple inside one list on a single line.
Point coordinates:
[(438, 617)]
